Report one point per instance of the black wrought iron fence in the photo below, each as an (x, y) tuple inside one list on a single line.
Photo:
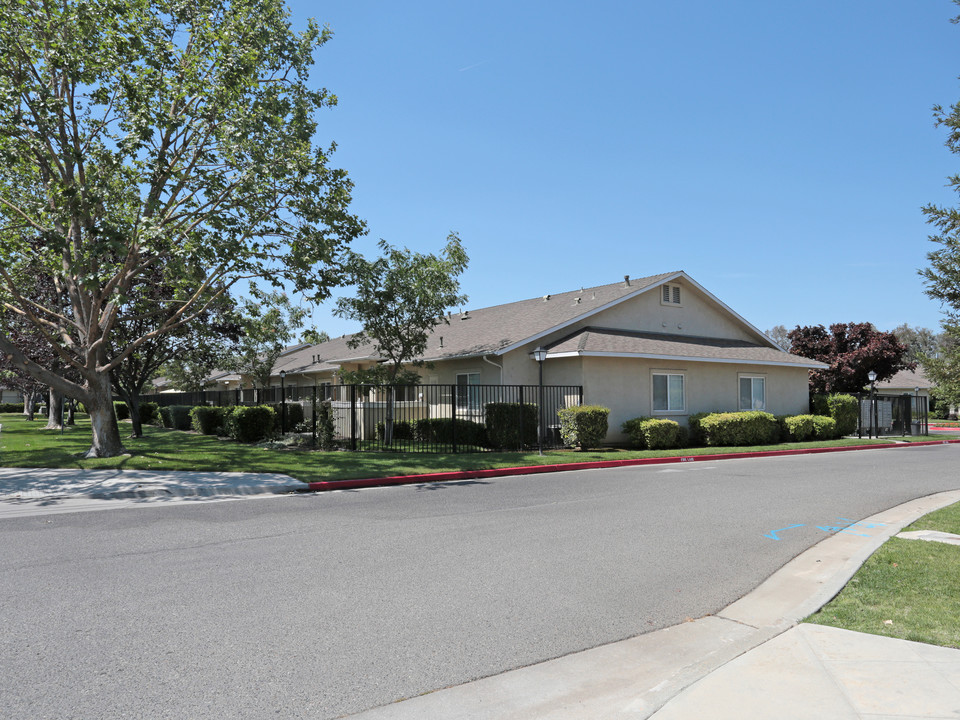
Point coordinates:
[(892, 415), (418, 418)]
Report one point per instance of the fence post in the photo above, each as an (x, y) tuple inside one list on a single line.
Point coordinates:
[(353, 418), (453, 417), (313, 406), (520, 420)]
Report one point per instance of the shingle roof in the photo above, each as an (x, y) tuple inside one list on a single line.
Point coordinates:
[(611, 342), (908, 379), (498, 328), (493, 329)]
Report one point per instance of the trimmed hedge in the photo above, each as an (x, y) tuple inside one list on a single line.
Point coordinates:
[(796, 428), (208, 420), (176, 417), (149, 413), (504, 423), (121, 409), (740, 428), (845, 410), (294, 414), (584, 425), (11, 407), (441, 430), (633, 429), (655, 433), (697, 437), (825, 428), (402, 430), (251, 423)]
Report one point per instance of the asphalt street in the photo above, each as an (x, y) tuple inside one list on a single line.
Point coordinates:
[(324, 605)]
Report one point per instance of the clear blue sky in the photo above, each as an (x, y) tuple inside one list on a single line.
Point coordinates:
[(778, 152)]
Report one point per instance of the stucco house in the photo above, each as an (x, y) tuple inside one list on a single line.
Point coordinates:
[(660, 346)]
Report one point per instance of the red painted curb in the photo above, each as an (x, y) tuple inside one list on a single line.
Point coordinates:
[(597, 464)]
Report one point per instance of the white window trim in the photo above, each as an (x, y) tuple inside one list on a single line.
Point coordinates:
[(682, 374), (673, 290), (751, 377)]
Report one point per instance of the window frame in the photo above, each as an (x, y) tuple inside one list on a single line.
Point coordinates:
[(682, 409), (466, 400), (751, 377)]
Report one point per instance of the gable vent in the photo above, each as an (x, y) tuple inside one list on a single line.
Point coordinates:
[(670, 294)]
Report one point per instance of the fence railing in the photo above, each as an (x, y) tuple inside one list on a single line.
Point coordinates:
[(417, 418), (892, 415)]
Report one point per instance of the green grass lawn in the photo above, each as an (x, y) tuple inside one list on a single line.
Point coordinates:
[(908, 589), (26, 444)]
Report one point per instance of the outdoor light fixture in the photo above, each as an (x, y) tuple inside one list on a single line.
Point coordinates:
[(540, 355), (872, 377)]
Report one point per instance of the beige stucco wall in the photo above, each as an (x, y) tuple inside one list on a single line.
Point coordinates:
[(625, 386)]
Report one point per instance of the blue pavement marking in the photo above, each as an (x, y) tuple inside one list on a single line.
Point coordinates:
[(846, 529), (774, 536)]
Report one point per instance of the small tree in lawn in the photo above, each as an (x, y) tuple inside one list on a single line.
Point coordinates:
[(851, 350), (401, 297), (269, 323)]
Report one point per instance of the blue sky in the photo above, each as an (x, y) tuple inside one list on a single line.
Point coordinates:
[(778, 152)]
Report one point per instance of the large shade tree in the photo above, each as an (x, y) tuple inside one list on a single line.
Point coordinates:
[(146, 134), (851, 350)]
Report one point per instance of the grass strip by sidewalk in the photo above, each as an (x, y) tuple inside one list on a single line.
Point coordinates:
[(26, 444), (908, 589)]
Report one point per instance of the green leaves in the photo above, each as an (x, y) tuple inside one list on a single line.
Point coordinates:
[(402, 296)]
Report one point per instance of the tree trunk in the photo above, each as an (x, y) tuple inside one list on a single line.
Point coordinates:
[(55, 410), (29, 404), (71, 410), (103, 419), (133, 405)]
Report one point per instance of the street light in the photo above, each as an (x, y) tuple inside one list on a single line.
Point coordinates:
[(540, 355), (872, 377), (283, 403)]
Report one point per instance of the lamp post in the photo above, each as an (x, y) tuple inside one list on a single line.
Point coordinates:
[(872, 377), (283, 403), (540, 355)]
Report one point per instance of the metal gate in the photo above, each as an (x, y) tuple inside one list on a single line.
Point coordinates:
[(884, 415)]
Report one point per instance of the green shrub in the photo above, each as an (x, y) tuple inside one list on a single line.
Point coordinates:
[(11, 407), (176, 417), (740, 428), (845, 410), (294, 414), (208, 420), (326, 431), (402, 430), (251, 423), (797, 428), (504, 424), (697, 438), (149, 413), (825, 428), (633, 429), (121, 409), (584, 426), (660, 434), (444, 431)]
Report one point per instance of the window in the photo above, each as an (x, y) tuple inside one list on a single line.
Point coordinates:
[(468, 398), (753, 395), (670, 295), (668, 393)]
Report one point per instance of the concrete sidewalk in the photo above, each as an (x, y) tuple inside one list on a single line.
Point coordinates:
[(750, 660), (48, 483)]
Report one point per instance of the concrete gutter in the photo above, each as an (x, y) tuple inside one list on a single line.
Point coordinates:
[(598, 464)]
